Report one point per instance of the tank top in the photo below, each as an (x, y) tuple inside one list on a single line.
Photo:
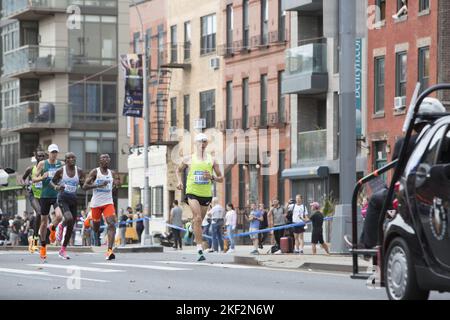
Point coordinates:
[(36, 188), (70, 183), (47, 190), (196, 184), (103, 195)]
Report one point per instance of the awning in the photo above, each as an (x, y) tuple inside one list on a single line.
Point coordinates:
[(12, 184), (306, 173)]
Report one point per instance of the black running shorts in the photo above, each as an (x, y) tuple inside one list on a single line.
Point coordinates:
[(46, 203), (204, 202)]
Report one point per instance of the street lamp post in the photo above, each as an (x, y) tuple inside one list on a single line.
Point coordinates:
[(146, 238)]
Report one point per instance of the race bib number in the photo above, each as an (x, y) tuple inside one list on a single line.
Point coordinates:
[(38, 185), (70, 189), (101, 188), (199, 178), (51, 172)]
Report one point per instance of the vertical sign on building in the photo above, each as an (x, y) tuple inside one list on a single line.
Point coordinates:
[(358, 85), (132, 68)]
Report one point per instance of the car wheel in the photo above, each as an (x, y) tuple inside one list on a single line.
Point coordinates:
[(400, 275)]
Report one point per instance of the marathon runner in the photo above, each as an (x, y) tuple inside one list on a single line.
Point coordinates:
[(44, 173), (34, 195), (103, 180), (199, 183), (66, 181)]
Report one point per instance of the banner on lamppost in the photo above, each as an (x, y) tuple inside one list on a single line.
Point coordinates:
[(358, 86), (132, 68)]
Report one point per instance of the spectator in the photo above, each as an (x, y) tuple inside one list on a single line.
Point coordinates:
[(364, 206), (263, 225), (217, 214), (277, 218), (139, 223), (15, 230), (255, 218), (176, 215), (123, 228), (299, 215), (317, 230), (230, 222), (206, 227), (87, 228)]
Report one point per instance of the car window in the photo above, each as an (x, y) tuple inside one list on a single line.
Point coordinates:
[(444, 152), (431, 154)]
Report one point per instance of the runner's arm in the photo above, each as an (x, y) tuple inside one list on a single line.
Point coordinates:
[(218, 177), (89, 183), (26, 175), (39, 176), (56, 179), (82, 177), (179, 171), (116, 180)]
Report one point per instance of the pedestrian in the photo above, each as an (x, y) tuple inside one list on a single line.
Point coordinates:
[(317, 228), (255, 218), (206, 229), (277, 217), (15, 230), (176, 216), (103, 180), (230, 223), (45, 172), (139, 222), (299, 215), (86, 229), (217, 213), (199, 184), (123, 229), (66, 181), (263, 225)]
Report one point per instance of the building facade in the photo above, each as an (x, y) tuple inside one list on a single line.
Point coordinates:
[(60, 84)]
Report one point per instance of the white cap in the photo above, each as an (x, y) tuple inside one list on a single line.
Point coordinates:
[(33, 160), (201, 137), (53, 147)]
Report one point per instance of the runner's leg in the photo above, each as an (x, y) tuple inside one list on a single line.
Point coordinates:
[(111, 222)]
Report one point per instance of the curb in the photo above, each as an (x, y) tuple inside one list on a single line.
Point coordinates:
[(326, 267), (49, 248), (246, 260), (139, 249)]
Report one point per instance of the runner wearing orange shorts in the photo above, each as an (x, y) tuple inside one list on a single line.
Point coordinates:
[(102, 180)]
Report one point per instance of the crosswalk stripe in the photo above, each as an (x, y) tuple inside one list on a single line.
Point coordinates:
[(58, 266), (141, 266), (217, 265), (40, 273)]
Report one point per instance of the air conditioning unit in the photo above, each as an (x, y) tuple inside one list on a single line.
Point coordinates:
[(214, 63), (200, 123), (399, 103)]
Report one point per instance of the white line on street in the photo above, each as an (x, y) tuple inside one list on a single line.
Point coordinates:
[(39, 273), (217, 265), (140, 266), (59, 266)]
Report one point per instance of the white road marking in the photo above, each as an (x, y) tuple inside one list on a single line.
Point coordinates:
[(39, 273), (59, 266), (217, 265), (140, 266)]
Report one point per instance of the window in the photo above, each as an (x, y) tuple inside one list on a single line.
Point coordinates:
[(228, 186), (88, 145), (380, 156), (424, 5), (402, 9), (136, 131), (187, 119), (173, 112), (381, 14), (424, 67), (245, 103), (187, 40), (9, 151), (241, 187), (136, 40), (264, 22), (93, 101), (160, 44), (400, 74), (280, 188), (281, 99), (208, 40), (229, 105), (10, 36), (245, 25), (208, 107), (263, 100), (160, 114), (158, 201), (379, 85), (281, 22), (148, 40), (229, 29), (173, 44), (266, 181)]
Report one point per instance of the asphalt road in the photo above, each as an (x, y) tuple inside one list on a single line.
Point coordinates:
[(171, 276)]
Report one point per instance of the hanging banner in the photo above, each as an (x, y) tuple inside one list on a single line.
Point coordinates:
[(132, 68), (358, 86)]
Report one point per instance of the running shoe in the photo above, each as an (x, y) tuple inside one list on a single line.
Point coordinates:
[(63, 254), (201, 256), (254, 252), (31, 244), (43, 254), (110, 255), (52, 236), (59, 232)]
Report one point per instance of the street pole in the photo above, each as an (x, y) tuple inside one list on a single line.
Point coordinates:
[(347, 125), (146, 238)]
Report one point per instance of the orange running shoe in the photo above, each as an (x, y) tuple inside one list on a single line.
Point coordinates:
[(110, 255), (52, 234), (43, 253)]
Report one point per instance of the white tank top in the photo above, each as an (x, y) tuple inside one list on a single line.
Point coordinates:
[(70, 183), (102, 195)]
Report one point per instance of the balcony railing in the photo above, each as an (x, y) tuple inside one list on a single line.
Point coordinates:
[(36, 59), (35, 116), (221, 125), (176, 55), (13, 8), (280, 35), (312, 145), (307, 59), (255, 121)]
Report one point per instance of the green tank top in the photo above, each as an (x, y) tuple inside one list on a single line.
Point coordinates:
[(47, 190), (36, 187), (196, 184)]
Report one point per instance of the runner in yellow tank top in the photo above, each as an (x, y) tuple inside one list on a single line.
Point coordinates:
[(198, 185)]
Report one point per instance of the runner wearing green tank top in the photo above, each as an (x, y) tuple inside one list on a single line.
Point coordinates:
[(199, 185)]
